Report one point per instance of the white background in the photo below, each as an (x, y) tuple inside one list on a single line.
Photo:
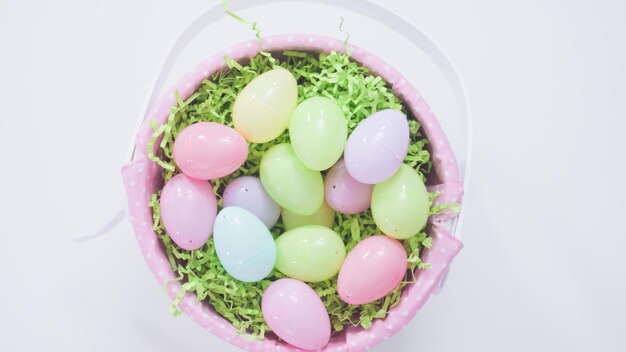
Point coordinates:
[(542, 267)]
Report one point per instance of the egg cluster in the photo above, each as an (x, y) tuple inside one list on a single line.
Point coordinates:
[(291, 186)]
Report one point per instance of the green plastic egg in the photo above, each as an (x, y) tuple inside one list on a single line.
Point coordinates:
[(318, 132), (289, 183), (310, 253), (400, 204), (324, 216)]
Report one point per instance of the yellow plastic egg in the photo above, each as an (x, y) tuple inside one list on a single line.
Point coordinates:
[(263, 108)]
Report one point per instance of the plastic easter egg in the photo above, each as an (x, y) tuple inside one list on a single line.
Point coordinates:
[(324, 216), (209, 150), (318, 132), (345, 194), (263, 108), (377, 146), (310, 253), (243, 244), (373, 268), (188, 208), (248, 193), (291, 184), (296, 314), (400, 204)]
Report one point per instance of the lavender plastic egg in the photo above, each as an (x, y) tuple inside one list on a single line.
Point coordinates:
[(248, 193), (345, 194), (188, 209), (377, 146)]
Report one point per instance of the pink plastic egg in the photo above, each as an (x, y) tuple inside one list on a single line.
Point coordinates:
[(209, 150), (373, 268), (188, 210), (377, 146), (345, 194), (296, 314)]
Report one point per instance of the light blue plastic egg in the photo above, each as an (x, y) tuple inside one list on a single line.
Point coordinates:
[(244, 245)]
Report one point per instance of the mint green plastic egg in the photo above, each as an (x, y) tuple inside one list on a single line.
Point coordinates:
[(324, 216), (400, 204), (289, 183), (310, 253), (318, 132)]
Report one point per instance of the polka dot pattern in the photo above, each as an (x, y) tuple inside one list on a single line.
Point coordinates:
[(450, 193), (142, 178)]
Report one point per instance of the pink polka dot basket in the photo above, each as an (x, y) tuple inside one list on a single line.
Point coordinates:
[(142, 178)]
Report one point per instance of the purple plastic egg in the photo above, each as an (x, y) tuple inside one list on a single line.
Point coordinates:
[(345, 194), (248, 193), (188, 210), (377, 146)]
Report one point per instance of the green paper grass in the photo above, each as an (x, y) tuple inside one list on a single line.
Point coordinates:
[(359, 94)]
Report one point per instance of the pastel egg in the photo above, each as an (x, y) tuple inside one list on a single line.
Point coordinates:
[(310, 253), (243, 244), (318, 132), (373, 268), (291, 184), (248, 193), (345, 194), (377, 146), (188, 208), (324, 216), (209, 150), (263, 108), (296, 314), (400, 205)]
